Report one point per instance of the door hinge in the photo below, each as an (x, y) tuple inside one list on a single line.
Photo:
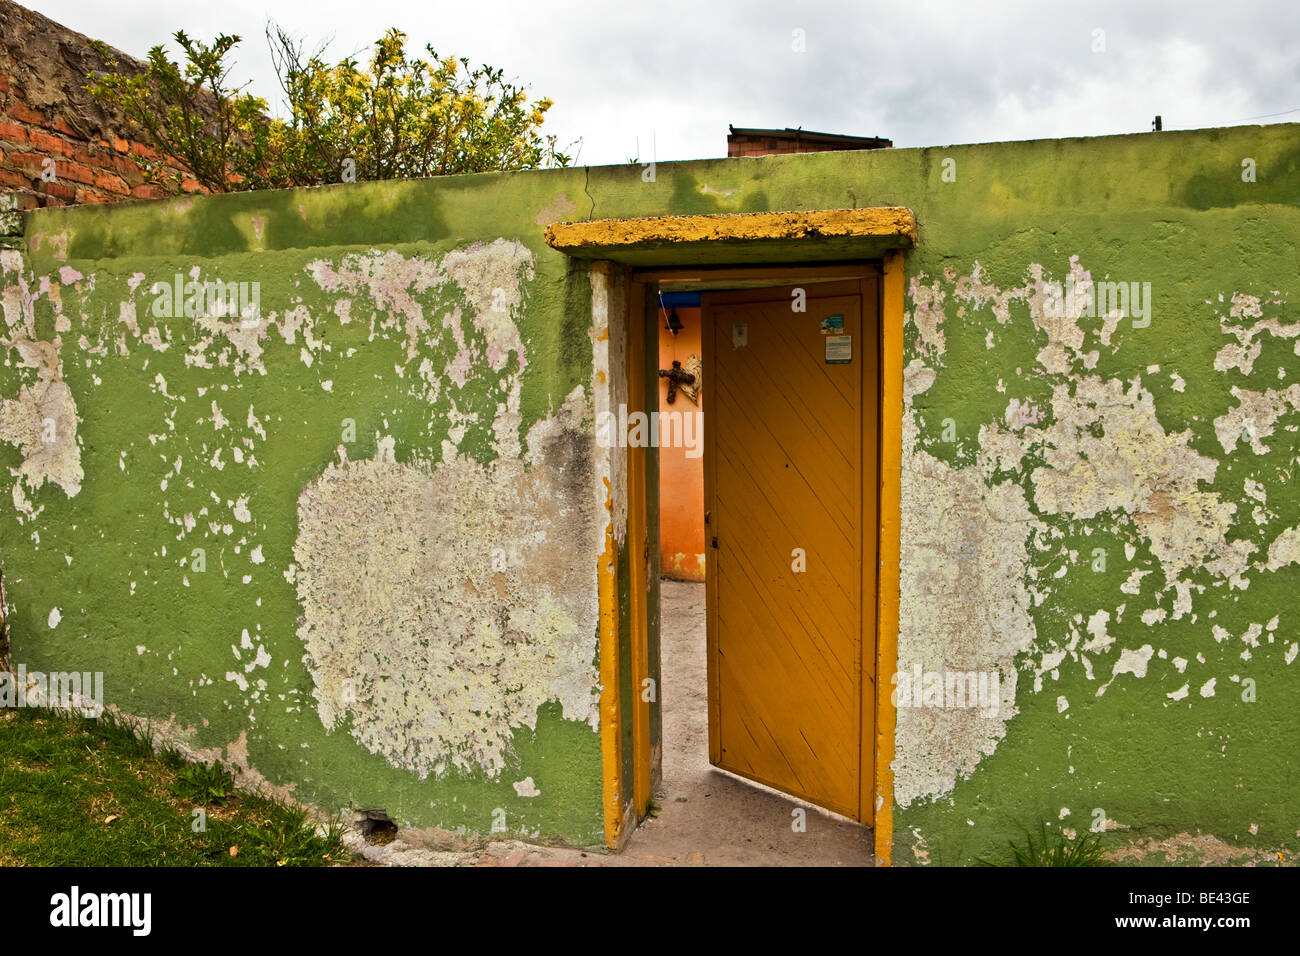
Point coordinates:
[(715, 540)]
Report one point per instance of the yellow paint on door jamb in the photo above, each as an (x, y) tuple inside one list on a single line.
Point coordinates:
[(891, 451), (611, 745)]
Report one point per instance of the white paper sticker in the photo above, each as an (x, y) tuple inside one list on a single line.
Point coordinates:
[(839, 349), (739, 335)]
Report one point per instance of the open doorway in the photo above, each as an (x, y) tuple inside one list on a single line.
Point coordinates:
[(682, 547), (762, 759)]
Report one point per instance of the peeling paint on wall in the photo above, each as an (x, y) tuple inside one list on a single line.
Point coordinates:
[(444, 603), (976, 546), (41, 420), (446, 597), (1094, 458)]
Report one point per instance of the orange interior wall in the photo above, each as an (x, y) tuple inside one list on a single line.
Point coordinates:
[(681, 479)]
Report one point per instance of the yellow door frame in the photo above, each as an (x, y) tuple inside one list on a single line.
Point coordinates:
[(877, 760), (717, 239), (890, 502), (638, 537)]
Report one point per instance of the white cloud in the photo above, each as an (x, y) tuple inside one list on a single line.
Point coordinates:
[(676, 73)]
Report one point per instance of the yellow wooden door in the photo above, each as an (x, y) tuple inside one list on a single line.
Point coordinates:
[(791, 518)]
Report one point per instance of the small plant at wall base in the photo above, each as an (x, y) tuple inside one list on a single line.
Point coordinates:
[(397, 117), (204, 784), (1054, 849)]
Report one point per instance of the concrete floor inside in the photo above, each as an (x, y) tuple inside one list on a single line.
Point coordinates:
[(709, 817)]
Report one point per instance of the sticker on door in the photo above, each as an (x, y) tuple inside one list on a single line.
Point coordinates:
[(839, 349)]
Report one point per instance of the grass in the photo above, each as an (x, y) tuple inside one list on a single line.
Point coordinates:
[(1055, 849), (204, 784), (80, 792)]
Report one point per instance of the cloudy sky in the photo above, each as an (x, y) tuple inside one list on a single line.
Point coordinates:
[(662, 79)]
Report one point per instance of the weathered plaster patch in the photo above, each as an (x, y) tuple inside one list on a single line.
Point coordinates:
[(444, 602), (1284, 550), (560, 208), (489, 274), (1187, 849), (41, 421), (1254, 417), (1242, 354), (1106, 451), (1097, 457), (441, 604), (927, 315), (526, 788), (1130, 662), (976, 546)]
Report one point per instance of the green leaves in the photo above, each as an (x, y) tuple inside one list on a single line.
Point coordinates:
[(401, 116), (191, 114), (396, 117), (204, 784), (1056, 849)]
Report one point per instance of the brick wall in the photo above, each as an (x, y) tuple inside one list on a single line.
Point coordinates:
[(769, 146), (775, 142), (58, 144)]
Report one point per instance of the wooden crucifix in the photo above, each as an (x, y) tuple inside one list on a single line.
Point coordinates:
[(676, 376)]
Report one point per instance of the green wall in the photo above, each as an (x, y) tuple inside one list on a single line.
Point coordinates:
[(1035, 437), (473, 564)]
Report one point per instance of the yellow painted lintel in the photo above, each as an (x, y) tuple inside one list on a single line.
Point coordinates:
[(872, 222)]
